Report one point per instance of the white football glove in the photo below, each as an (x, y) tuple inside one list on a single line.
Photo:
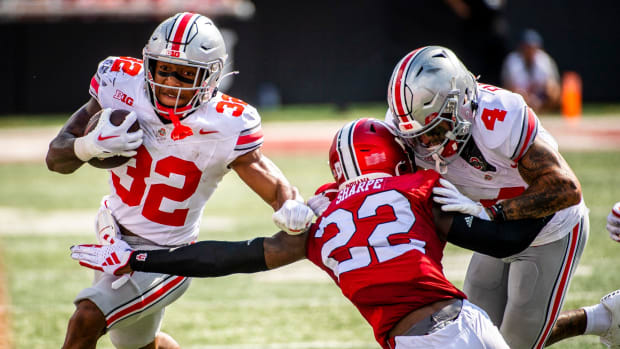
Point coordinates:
[(323, 196), (319, 203), (613, 222), (106, 258), (453, 201), (107, 140), (108, 231), (293, 217)]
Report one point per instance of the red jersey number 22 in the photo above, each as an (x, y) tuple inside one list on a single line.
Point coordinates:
[(378, 240)]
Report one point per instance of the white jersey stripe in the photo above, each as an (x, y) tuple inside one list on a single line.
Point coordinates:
[(346, 152), (145, 300), (571, 257), (529, 130)]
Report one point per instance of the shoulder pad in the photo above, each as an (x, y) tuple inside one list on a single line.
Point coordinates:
[(505, 124)]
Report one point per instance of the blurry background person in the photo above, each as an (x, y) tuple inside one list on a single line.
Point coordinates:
[(532, 73)]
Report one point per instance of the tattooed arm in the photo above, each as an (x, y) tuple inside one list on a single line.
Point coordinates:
[(552, 184)]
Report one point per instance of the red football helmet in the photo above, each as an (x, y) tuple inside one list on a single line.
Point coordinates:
[(367, 147)]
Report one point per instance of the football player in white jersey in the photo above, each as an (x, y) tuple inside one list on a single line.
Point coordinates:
[(492, 147), (190, 136)]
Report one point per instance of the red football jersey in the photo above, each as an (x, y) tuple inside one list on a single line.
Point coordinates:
[(377, 240)]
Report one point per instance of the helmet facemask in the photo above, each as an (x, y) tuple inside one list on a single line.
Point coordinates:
[(445, 134), (204, 85)]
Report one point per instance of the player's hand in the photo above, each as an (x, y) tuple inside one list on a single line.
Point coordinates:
[(452, 200), (108, 140), (613, 222), (293, 217), (111, 259), (323, 196)]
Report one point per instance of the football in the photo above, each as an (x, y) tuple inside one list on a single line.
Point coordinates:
[(116, 118)]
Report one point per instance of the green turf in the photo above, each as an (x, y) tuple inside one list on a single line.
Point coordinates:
[(242, 311)]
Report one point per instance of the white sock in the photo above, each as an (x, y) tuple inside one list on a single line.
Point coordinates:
[(598, 319)]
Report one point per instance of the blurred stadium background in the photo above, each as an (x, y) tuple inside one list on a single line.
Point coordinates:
[(309, 66)]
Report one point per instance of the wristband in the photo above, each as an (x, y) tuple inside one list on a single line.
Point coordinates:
[(497, 212)]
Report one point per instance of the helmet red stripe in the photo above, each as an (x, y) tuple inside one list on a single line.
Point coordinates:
[(180, 31), (398, 86)]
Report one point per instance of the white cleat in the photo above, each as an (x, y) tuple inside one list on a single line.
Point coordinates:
[(611, 302)]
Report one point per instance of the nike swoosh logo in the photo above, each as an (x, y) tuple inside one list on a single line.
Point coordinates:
[(101, 138), (203, 132)]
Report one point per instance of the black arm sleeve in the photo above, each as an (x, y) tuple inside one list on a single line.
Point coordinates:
[(497, 239), (203, 259)]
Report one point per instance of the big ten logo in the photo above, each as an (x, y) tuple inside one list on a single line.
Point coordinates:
[(174, 53), (121, 96)]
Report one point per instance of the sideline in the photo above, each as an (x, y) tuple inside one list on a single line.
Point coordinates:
[(29, 145)]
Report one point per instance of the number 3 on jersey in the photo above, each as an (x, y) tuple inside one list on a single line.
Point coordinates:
[(158, 192), (378, 240)]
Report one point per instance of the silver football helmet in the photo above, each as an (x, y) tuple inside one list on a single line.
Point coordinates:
[(432, 97), (192, 40)]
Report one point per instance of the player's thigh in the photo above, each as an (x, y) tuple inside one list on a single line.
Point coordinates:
[(537, 283), (142, 295), (486, 285)]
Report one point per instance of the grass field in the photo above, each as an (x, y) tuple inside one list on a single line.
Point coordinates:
[(43, 213)]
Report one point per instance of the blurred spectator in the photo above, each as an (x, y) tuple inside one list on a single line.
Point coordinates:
[(531, 72)]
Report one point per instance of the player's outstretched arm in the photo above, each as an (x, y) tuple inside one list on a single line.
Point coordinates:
[(465, 223), (266, 179), (202, 259), (61, 155)]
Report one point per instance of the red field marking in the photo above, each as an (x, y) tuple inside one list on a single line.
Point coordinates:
[(5, 328)]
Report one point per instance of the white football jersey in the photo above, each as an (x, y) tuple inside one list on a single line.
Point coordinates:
[(160, 193), (503, 129)]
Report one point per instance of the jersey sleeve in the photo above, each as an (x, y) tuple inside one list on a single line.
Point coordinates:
[(112, 72), (100, 78), (251, 134), (507, 128)]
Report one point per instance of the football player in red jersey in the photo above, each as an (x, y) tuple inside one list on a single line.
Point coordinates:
[(381, 239), (190, 136)]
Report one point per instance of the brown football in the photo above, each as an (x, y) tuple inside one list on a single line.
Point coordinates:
[(116, 118)]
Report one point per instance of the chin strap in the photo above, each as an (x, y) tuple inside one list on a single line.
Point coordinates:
[(180, 131), (440, 165)]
